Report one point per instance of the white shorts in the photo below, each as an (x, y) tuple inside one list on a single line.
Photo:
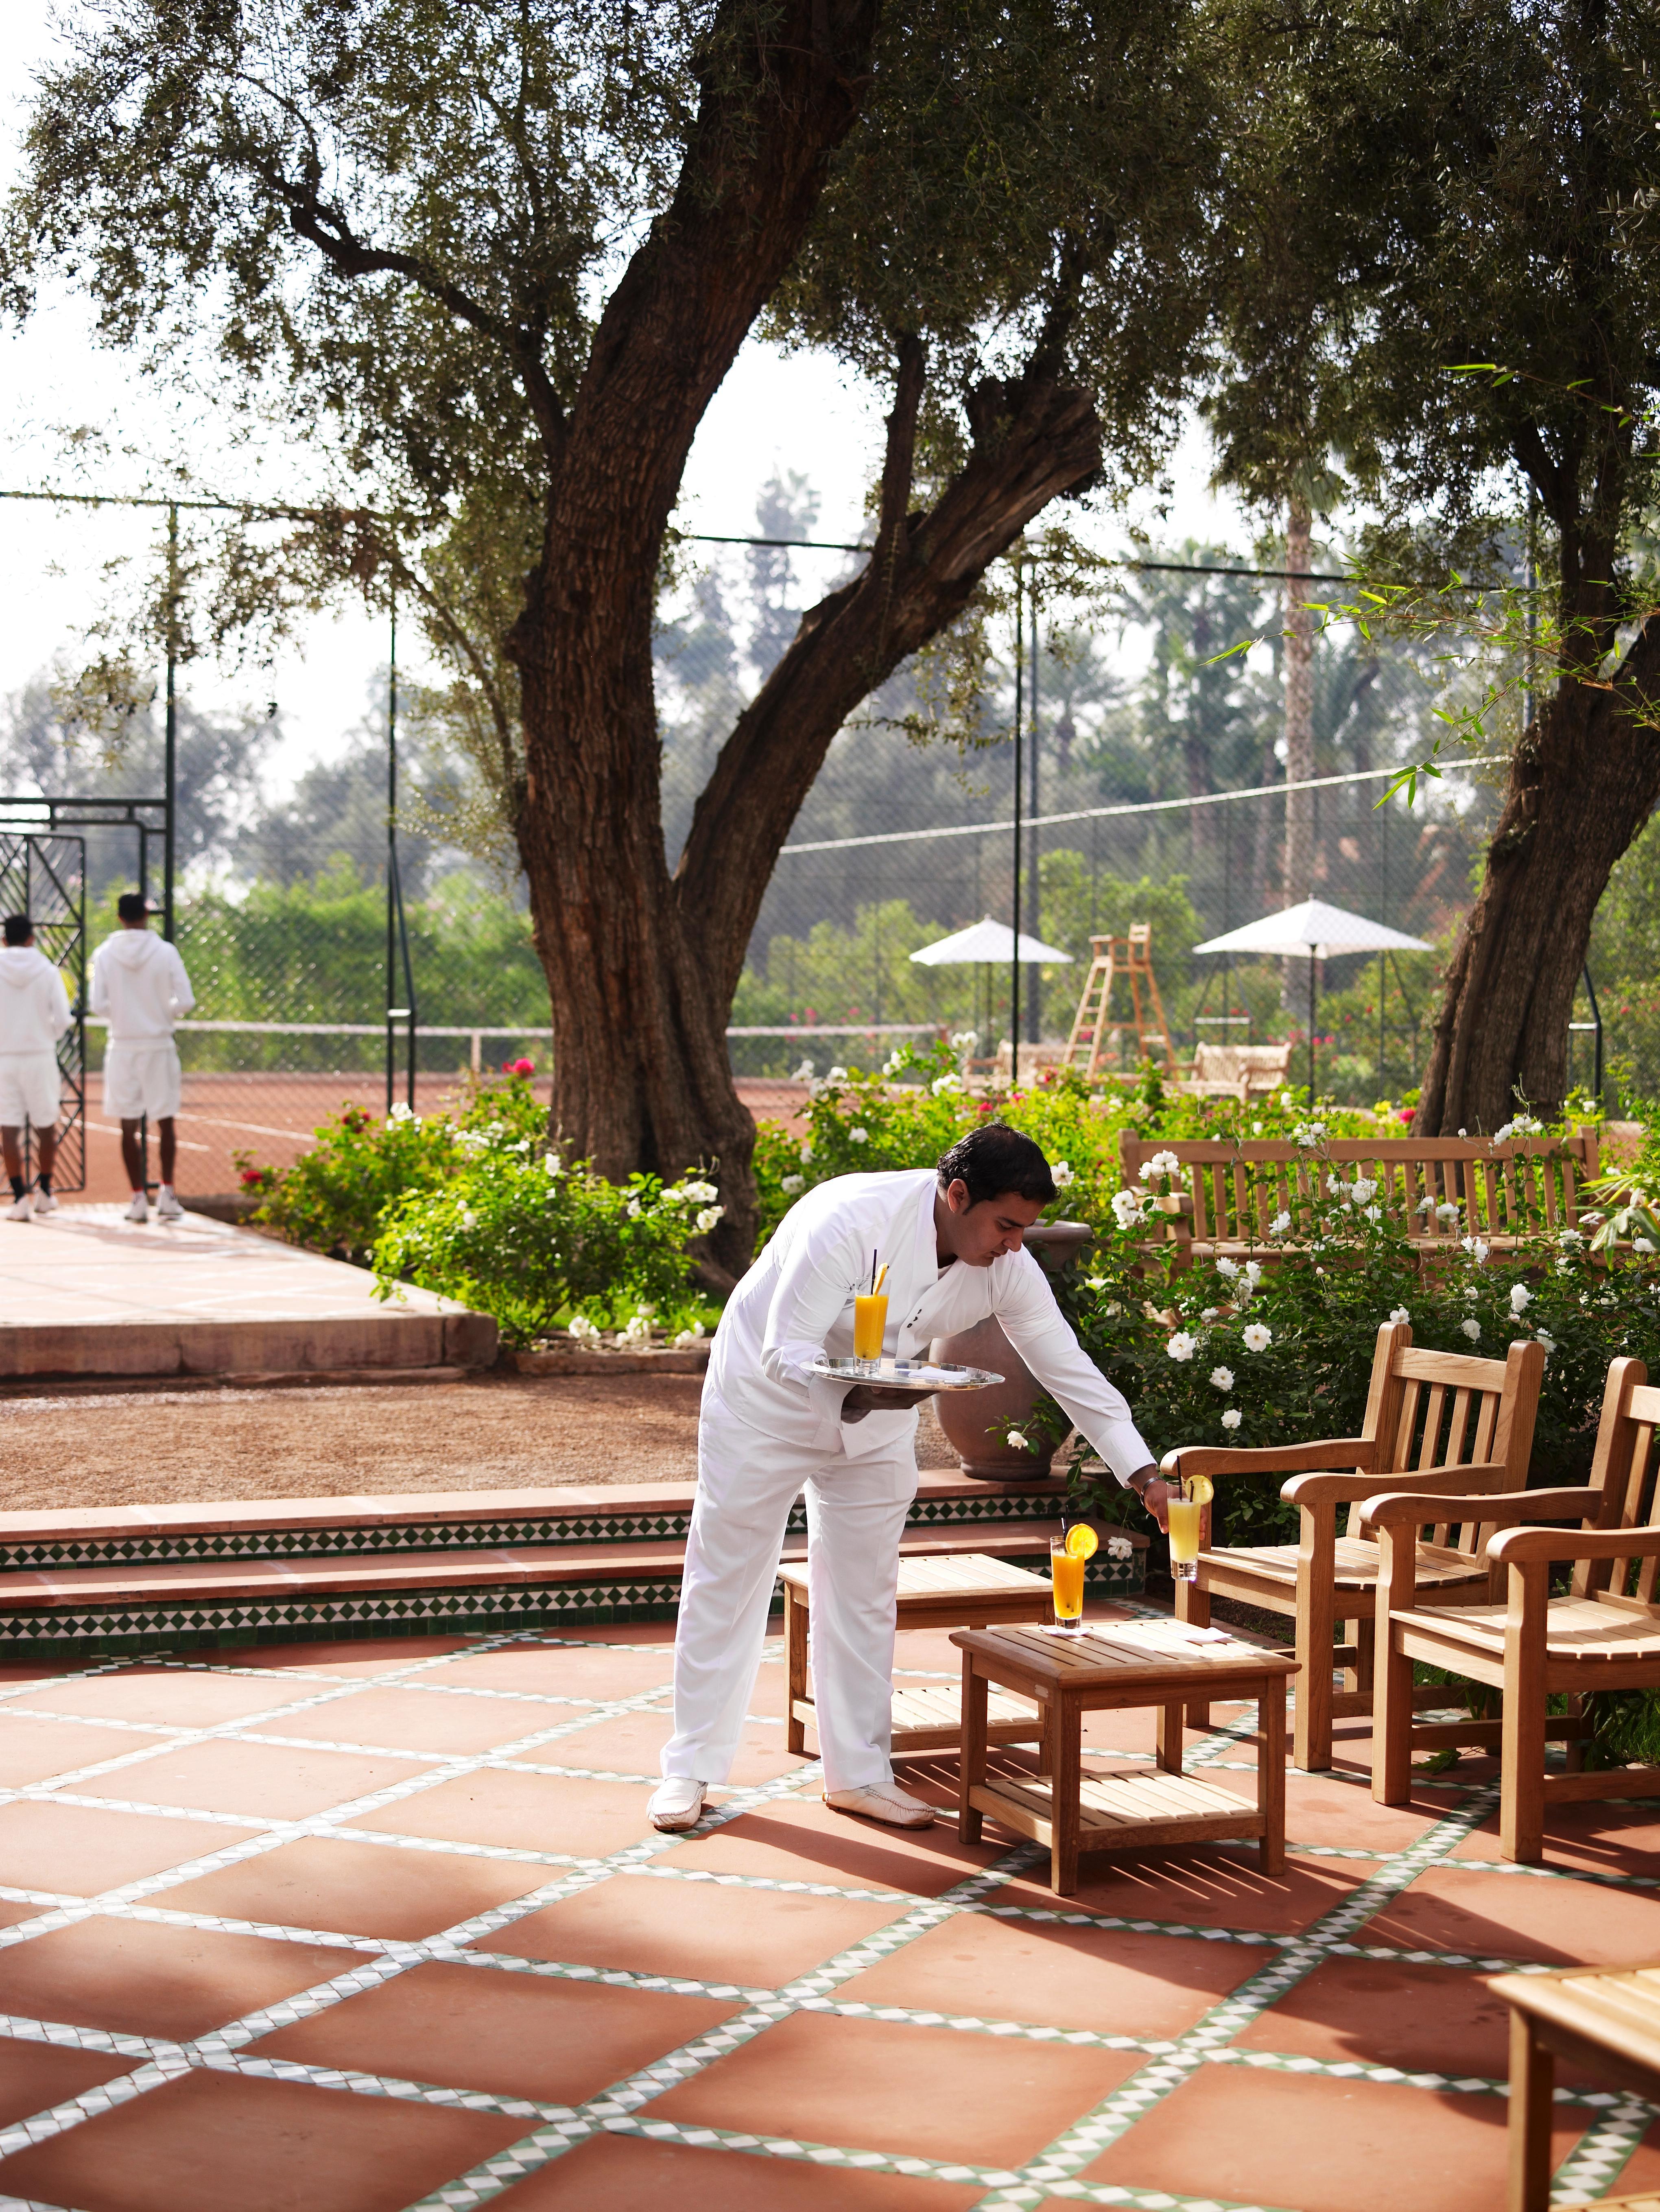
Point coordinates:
[(142, 1079), (29, 1089)]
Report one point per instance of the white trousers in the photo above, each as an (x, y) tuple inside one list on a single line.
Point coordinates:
[(856, 1508)]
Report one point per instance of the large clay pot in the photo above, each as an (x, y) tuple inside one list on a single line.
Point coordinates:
[(965, 1416)]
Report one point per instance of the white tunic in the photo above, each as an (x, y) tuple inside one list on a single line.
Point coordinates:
[(796, 1303), (139, 983)]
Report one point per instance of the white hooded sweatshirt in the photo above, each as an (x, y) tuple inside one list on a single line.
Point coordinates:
[(34, 1007), (138, 981)]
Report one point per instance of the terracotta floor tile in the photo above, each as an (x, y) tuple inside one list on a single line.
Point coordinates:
[(758, 1938), (78, 1852), (1244, 2134), (265, 1779), (35, 2076), (415, 1720), (1440, 2020), (344, 1657), (920, 2092), (523, 1812), (1319, 1810), (524, 2035), (213, 2141), (35, 1751), (631, 1743), (990, 1969), (1605, 1837), (174, 1696), (802, 1840), (355, 1889), (1519, 1917), (141, 1978), (625, 2173), (1205, 1888), (552, 1671)]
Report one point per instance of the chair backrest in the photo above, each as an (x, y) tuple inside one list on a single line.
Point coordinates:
[(1622, 1468), (1447, 1409), (1497, 1190)]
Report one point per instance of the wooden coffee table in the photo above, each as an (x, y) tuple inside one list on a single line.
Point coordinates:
[(960, 1589), (1142, 1663), (1604, 2019)]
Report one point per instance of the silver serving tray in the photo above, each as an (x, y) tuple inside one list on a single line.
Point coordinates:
[(913, 1374)]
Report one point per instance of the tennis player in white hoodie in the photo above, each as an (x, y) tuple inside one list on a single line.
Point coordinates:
[(139, 985), (34, 1013)]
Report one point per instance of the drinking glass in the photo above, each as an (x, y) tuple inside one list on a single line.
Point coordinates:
[(1186, 1512), (1067, 1575), (870, 1326)]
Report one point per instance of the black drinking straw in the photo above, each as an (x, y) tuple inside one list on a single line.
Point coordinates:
[(872, 1275)]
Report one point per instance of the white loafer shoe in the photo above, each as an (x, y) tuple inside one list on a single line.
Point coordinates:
[(677, 1803), (167, 1208), (18, 1210), (44, 1203), (139, 1209), (882, 1800)]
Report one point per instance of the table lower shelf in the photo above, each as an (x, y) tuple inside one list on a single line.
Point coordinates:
[(1124, 1812), (932, 1719)]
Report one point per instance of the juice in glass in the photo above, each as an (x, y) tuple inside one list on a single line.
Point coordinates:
[(870, 1325), (1186, 1511), (1066, 1574)]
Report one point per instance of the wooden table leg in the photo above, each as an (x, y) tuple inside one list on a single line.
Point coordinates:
[(1169, 1742), (1532, 2080), (1045, 1725), (1271, 1773), (972, 1767), (795, 1669), (1065, 1735)]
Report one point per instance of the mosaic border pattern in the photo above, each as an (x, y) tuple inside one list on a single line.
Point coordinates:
[(625, 2107)]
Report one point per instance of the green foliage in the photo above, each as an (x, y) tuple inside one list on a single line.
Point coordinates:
[(515, 1232)]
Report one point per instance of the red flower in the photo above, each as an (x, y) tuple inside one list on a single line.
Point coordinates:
[(1406, 1112), (524, 1067)]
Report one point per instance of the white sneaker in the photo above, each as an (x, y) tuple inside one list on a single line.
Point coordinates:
[(138, 1211), (677, 1803), (167, 1208), (44, 1203), (882, 1800), (18, 1210)]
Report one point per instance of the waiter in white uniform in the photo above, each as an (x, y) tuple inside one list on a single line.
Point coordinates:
[(952, 1238)]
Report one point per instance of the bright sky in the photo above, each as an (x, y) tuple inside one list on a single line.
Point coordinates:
[(795, 412)]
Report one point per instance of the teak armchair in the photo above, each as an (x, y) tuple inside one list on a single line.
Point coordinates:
[(1425, 1412), (1598, 1636)]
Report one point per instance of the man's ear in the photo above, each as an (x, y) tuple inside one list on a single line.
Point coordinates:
[(957, 1197)]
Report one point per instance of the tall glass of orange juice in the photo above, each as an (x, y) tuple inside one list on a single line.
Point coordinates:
[(1067, 1576), (870, 1325), (1186, 1513)]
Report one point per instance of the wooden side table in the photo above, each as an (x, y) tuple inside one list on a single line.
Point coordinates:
[(963, 1589), (1143, 1663), (1604, 2019)]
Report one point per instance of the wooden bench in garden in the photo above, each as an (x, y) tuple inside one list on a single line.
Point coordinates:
[(1225, 1195), (1604, 1634), (1236, 1071), (1434, 1420)]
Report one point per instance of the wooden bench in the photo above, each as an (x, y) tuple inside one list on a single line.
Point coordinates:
[(1604, 2019), (1236, 1071), (1226, 1195)]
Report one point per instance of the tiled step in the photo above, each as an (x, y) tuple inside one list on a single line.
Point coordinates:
[(136, 1577)]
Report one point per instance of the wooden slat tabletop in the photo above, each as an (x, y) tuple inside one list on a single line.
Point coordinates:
[(950, 1575), (1108, 1655)]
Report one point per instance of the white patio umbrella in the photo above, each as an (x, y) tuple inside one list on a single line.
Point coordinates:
[(1313, 932), (989, 944)]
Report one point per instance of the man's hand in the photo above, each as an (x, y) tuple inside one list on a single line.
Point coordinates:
[(1154, 1493), (881, 1398)]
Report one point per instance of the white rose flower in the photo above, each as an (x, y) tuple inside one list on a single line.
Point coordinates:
[(837, 1075), (1060, 1172), (469, 1219), (1335, 1186), (1521, 1297), (1163, 1163), (1112, 1310), (552, 1164), (1400, 1314), (1228, 1268), (1232, 1418), (1642, 1244), (1256, 1128), (964, 1040), (1222, 1377), (1126, 1208), (1209, 1314), (1364, 1190), (1374, 1213), (943, 1083), (1569, 1236), (582, 1329), (895, 1060), (1253, 1272), (1182, 1345), (1278, 1226), (1019, 1442), (793, 1184), (1446, 1212), (1477, 1250), (1120, 1548), (859, 1136), (1286, 1099), (1425, 1205), (802, 1074), (806, 1151), (1549, 1342), (706, 1219), (1472, 1330), (1095, 1282), (1258, 1336), (400, 1112), (633, 1209)]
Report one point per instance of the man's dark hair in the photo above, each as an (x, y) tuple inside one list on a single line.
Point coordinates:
[(19, 928), (993, 1158), (132, 906)]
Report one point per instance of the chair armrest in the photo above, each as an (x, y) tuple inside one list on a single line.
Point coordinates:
[(1481, 1475), (1274, 1459), (1397, 1510), (1515, 1547)]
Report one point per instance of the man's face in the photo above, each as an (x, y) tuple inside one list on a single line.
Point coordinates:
[(980, 1234)]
